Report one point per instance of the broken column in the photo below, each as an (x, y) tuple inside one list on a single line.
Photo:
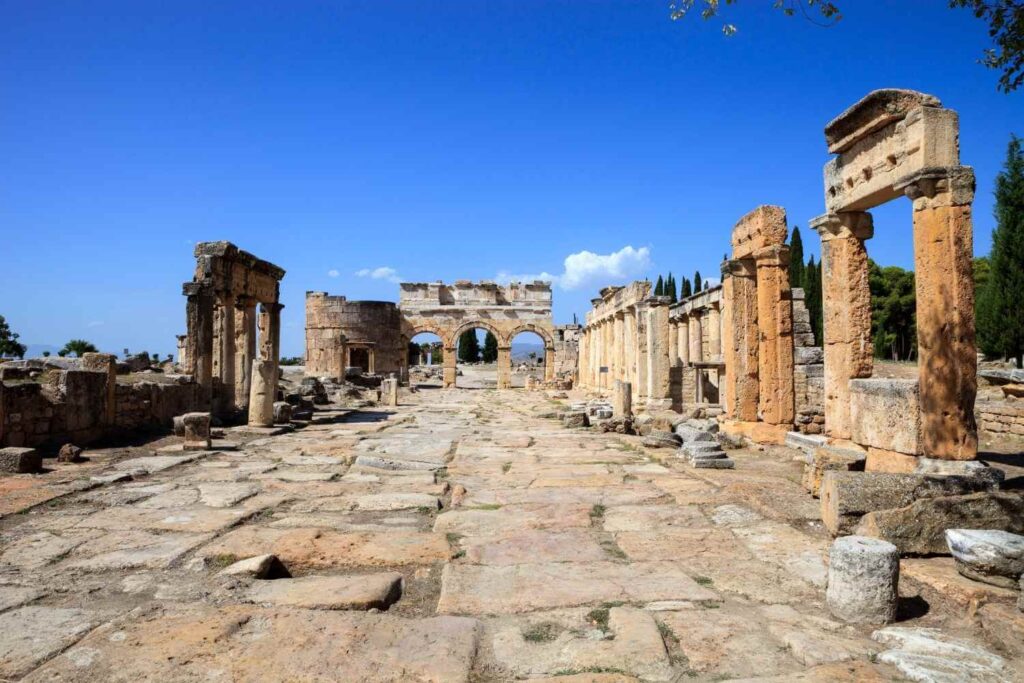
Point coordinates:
[(504, 367), (775, 336), (622, 400), (863, 580), (741, 348), (389, 391), (199, 345), (263, 393), (245, 348), (659, 393), (196, 431), (450, 370)]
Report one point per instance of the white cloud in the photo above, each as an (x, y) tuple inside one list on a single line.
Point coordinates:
[(382, 273), (333, 272), (586, 267)]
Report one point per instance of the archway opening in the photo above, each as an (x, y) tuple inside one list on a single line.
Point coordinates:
[(426, 360), (476, 351), (529, 359)]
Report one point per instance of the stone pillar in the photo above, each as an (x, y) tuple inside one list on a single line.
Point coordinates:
[(944, 281), (622, 399), (245, 348), (264, 390), (389, 391), (683, 341), (582, 366), (199, 346), (107, 364), (618, 344), (450, 359), (715, 332), (226, 336), (549, 363), (196, 430), (727, 374), (629, 331), (270, 332), (775, 336), (673, 343), (696, 337), (504, 367), (182, 350), (846, 304), (741, 365), (640, 387), (660, 390)]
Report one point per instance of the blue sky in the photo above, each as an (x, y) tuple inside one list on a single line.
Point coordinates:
[(438, 139)]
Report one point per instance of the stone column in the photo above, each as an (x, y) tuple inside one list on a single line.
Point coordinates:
[(622, 398), (607, 343), (741, 365), (199, 345), (549, 363), (182, 350), (640, 387), (629, 355), (660, 394), (270, 332), (775, 336), (696, 337), (504, 369), (715, 332), (673, 343), (683, 341), (581, 360), (450, 359), (245, 348), (727, 374), (264, 390), (846, 301), (944, 281), (226, 303), (619, 355)]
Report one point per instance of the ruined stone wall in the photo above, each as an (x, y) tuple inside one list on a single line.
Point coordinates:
[(1000, 418), (567, 341), (808, 370), (334, 324)]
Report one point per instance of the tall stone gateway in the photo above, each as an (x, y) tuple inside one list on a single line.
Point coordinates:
[(222, 343), (898, 143)]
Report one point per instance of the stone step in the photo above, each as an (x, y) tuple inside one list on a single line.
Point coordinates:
[(713, 464)]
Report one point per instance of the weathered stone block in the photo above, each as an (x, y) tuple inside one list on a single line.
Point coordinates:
[(69, 452), (886, 414), (809, 355), (282, 412), (825, 460), (848, 496), (863, 579), (987, 555), (196, 431), (919, 528), (575, 420), (15, 460)]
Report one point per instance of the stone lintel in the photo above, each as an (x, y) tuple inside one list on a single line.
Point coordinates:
[(762, 227), (196, 289), (950, 185), (745, 267), (876, 110), (844, 225), (656, 301)]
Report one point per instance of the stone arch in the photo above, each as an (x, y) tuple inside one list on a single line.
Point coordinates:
[(504, 365), (549, 347), (472, 325), (409, 332)]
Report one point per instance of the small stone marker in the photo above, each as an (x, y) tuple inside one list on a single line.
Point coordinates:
[(389, 391), (14, 460), (622, 399), (69, 452), (196, 430), (988, 555), (282, 412), (863, 578)]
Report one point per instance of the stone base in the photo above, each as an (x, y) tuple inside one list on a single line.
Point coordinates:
[(939, 581), (758, 432), (808, 443), (881, 460)]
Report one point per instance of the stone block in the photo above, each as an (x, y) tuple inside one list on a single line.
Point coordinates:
[(886, 414), (863, 580), (196, 431), (987, 555), (848, 496), (919, 528), (15, 460), (282, 412), (826, 460), (575, 420), (809, 355)]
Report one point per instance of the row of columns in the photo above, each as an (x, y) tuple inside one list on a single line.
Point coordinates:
[(504, 365), (221, 350)]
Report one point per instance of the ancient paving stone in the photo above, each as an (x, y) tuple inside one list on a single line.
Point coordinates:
[(511, 518), (258, 567), (16, 596), (134, 549), (567, 545), (38, 550), (482, 589), (622, 639), (675, 543), (355, 592), (194, 518), (812, 639), (649, 517), (788, 548), (318, 549), (29, 635), (343, 521), (254, 643), (156, 463), (223, 495)]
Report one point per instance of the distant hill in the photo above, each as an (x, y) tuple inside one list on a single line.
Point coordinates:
[(521, 350)]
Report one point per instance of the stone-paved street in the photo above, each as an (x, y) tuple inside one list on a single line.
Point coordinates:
[(462, 536)]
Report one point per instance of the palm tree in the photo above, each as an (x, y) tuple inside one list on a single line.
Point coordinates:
[(79, 347)]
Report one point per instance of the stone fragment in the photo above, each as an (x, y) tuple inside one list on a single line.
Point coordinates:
[(622, 399), (927, 654), (262, 392), (575, 420), (16, 460), (282, 412), (258, 567), (196, 431), (919, 528), (863, 578), (69, 453), (827, 459), (986, 555), (660, 439), (847, 496), (30, 635), (357, 592), (886, 414)]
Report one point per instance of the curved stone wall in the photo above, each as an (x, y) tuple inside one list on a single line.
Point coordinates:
[(342, 333)]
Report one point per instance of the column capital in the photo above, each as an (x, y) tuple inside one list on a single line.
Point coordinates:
[(657, 301), (774, 255), (196, 289), (844, 225), (244, 301), (940, 186), (620, 315), (740, 267)]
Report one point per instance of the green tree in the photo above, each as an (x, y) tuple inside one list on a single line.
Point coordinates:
[(79, 347), (490, 347), (469, 347), (696, 282), (670, 288), (9, 344), (686, 290), (982, 272), (893, 312), (1000, 315), (796, 259), (813, 299), (659, 287)]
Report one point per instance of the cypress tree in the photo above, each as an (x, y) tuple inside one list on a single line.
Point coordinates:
[(696, 282), (1000, 316), (469, 347), (490, 347), (659, 288), (796, 259), (670, 288), (686, 290), (812, 298)]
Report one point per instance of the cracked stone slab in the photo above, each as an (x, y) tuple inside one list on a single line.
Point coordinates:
[(194, 518), (16, 596), (566, 545), (137, 549), (355, 592), (484, 589), (30, 635)]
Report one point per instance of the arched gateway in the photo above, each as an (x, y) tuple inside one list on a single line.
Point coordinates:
[(446, 310)]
